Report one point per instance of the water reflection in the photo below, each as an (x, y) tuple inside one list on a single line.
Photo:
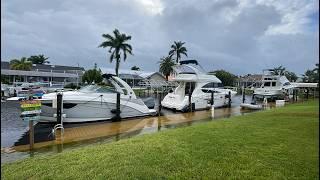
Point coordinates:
[(84, 134)]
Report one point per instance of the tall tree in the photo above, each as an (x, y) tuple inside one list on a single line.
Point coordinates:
[(279, 70), (316, 73), (135, 68), (22, 64), (226, 78), (166, 66), (39, 59), (291, 76), (118, 47), (311, 75), (178, 49)]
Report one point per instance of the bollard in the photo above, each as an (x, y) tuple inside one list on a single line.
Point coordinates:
[(265, 101), (59, 108), (212, 111)]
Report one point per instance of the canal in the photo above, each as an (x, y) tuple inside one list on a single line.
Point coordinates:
[(15, 132)]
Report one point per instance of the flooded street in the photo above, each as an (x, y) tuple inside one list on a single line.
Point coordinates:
[(15, 134)]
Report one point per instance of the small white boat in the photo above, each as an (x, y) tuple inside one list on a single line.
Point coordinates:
[(251, 106)]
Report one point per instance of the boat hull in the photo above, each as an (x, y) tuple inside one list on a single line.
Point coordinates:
[(83, 111), (172, 101)]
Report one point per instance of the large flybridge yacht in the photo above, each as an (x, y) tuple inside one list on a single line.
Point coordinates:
[(273, 86), (95, 103), (192, 78)]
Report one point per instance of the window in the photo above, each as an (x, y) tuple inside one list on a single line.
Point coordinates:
[(267, 84), (208, 91), (273, 83), (209, 85), (286, 84), (213, 85)]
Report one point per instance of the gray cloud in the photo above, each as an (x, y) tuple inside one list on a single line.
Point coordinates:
[(239, 36)]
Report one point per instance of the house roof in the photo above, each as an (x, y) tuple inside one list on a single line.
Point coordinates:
[(6, 65)]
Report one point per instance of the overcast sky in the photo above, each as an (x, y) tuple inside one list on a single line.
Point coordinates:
[(241, 36)]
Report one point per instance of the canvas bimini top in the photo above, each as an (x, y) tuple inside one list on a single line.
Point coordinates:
[(191, 71), (189, 67)]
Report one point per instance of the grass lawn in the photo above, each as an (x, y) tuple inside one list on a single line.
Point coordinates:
[(275, 144)]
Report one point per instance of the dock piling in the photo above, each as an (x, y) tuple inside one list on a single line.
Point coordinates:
[(31, 134), (118, 107), (229, 102), (190, 104), (159, 106), (243, 94), (59, 108), (212, 98)]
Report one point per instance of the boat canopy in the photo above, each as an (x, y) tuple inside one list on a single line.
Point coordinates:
[(198, 78), (188, 69)]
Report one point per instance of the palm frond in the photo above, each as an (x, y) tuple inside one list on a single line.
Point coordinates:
[(108, 36)]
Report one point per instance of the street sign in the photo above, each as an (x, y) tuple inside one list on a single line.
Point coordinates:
[(30, 110)]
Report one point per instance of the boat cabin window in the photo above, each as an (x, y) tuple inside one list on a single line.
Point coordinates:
[(209, 91), (213, 85), (273, 83), (266, 84), (189, 86), (286, 84)]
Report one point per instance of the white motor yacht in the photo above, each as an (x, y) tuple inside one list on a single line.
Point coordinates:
[(273, 86), (192, 78), (95, 103)]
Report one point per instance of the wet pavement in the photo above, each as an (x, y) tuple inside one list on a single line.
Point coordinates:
[(15, 133)]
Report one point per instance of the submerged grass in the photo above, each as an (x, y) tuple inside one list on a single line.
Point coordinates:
[(278, 144)]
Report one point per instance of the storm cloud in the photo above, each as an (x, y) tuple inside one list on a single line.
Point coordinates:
[(242, 36)]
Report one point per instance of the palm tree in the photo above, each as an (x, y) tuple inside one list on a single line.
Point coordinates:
[(118, 46), (135, 68), (278, 70), (39, 59), (22, 64), (166, 65), (177, 49)]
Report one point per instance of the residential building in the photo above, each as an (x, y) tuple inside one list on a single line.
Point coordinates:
[(43, 73)]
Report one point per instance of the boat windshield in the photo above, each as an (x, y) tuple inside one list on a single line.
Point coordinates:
[(97, 89), (189, 69)]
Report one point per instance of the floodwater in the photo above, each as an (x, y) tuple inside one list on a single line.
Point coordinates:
[(15, 132)]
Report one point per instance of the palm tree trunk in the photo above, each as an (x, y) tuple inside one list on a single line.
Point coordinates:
[(117, 67), (177, 58)]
